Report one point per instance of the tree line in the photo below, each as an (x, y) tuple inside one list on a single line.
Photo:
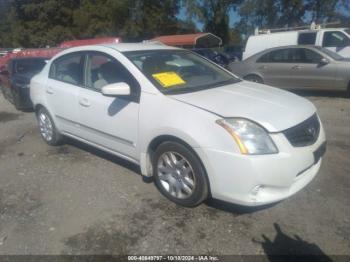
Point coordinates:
[(39, 23)]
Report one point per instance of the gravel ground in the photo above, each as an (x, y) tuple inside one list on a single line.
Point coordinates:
[(74, 199)]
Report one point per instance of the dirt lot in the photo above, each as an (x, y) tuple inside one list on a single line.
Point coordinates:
[(76, 200)]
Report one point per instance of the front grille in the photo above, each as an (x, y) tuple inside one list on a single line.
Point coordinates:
[(305, 133)]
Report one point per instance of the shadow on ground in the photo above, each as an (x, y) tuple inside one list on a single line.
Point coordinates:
[(235, 209), (102, 154), (288, 248)]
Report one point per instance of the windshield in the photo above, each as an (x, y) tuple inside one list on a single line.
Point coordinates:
[(29, 66), (179, 71), (330, 53)]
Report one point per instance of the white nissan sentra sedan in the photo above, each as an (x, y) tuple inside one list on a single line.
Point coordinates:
[(196, 128)]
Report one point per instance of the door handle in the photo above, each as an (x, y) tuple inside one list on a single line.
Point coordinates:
[(49, 90), (84, 102), (263, 67), (297, 67)]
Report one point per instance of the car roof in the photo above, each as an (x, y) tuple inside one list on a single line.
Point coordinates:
[(30, 58), (125, 47)]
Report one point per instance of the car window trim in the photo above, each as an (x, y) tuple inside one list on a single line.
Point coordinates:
[(52, 65), (271, 62), (135, 97), (311, 50), (289, 61)]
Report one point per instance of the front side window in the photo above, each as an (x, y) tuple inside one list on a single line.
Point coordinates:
[(307, 39), (304, 55), (68, 68), (103, 69), (335, 39), (330, 53), (179, 71)]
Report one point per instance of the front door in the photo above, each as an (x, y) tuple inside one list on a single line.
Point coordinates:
[(307, 71), (110, 122)]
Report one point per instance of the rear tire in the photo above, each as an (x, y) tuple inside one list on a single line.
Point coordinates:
[(179, 174), (47, 128), (254, 78)]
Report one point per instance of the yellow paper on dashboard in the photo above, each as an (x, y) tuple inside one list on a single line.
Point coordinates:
[(168, 79)]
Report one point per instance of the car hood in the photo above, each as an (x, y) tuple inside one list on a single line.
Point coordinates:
[(272, 108)]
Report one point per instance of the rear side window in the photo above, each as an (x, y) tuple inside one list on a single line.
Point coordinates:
[(307, 38), (335, 39), (277, 56), (68, 69)]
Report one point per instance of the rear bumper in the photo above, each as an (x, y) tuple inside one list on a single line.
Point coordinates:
[(261, 179)]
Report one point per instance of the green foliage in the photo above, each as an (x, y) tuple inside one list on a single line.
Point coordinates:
[(38, 23), (214, 14)]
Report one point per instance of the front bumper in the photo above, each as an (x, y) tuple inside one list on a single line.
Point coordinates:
[(254, 180)]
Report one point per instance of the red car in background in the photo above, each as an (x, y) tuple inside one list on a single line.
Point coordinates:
[(17, 68)]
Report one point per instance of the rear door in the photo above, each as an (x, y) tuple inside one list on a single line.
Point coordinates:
[(274, 67), (62, 89), (307, 71)]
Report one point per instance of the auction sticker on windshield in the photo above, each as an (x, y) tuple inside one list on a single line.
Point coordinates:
[(168, 79)]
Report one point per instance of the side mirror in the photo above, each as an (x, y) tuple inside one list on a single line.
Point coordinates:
[(324, 61), (116, 89)]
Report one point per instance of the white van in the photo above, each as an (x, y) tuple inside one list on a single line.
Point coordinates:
[(335, 39)]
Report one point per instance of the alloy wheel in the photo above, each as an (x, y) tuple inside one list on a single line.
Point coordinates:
[(176, 175), (46, 127)]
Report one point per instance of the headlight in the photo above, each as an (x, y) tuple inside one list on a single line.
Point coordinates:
[(250, 137)]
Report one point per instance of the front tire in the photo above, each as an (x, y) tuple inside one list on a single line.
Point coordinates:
[(179, 174), (47, 128)]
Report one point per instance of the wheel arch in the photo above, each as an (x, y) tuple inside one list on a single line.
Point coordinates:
[(146, 161), (254, 75), (37, 107), (155, 142)]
